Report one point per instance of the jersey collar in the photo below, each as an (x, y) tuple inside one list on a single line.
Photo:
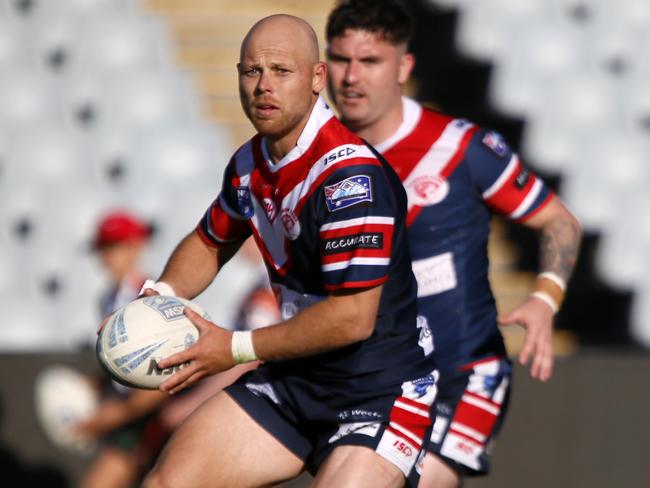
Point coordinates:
[(411, 111), (320, 114)]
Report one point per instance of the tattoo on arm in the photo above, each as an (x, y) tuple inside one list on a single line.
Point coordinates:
[(560, 242)]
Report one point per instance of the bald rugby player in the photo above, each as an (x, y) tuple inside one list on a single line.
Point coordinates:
[(346, 386)]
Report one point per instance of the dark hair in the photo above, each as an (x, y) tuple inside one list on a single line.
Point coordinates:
[(388, 18)]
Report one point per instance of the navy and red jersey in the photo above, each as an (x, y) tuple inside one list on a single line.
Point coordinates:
[(329, 216), (456, 175)]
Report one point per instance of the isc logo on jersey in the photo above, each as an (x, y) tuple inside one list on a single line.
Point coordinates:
[(338, 154)]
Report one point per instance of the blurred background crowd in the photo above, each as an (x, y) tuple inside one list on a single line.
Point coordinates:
[(129, 110)]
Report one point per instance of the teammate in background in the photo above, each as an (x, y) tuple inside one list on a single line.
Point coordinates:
[(126, 421), (344, 389), (456, 176)]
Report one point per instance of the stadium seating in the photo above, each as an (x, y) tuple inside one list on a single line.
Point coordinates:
[(95, 114)]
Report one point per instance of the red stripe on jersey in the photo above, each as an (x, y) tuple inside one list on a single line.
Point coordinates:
[(509, 196), (475, 418), (428, 129), (222, 226), (356, 284), (355, 229), (447, 170), (546, 201)]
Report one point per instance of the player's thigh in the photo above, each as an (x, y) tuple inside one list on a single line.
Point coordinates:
[(357, 467), (220, 445), (437, 474), (112, 468)]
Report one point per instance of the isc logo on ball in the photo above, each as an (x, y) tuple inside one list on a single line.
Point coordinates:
[(169, 307)]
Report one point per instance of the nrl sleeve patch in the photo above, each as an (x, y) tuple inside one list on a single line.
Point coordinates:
[(348, 192), (496, 143)]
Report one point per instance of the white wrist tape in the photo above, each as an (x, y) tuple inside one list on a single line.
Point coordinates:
[(547, 299), (159, 286), (555, 278), (242, 346)]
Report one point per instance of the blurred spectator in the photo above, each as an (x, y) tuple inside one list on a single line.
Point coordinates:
[(126, 422)]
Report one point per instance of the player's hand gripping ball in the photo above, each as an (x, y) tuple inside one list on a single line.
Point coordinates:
[(142, 333)]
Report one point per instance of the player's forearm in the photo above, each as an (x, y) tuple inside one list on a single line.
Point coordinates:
[(559, 245), (333, 323), (191, 267)]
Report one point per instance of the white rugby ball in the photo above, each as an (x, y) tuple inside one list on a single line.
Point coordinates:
[(142, 333), (63, 397)]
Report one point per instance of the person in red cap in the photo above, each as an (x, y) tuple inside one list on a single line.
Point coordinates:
[(119, 242), (127, 422)]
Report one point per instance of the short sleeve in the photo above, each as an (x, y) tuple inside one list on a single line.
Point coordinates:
[(356, 227), (506, 185), (225, 221)]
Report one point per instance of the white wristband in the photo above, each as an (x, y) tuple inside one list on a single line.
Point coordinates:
[(159, 286), (547, 299), (242, 346), (555, 278)]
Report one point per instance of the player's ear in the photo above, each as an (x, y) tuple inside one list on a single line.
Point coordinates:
[(319, 78), (406, 64)]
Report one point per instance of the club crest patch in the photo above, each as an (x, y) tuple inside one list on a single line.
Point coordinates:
[(290, 223), (427, 190), (348, 192), (244, 203), (494, 141), (269, 208)]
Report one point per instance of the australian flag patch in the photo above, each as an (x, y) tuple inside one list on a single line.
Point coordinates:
[(348, 192)]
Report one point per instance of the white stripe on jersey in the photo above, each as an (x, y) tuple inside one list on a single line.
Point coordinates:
[(343, 224), (303, 187), (528, 201), (357, 262), (440, 153), (501, 180)]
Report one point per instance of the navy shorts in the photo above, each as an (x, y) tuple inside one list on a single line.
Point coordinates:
[(469, 410), (312, 418)]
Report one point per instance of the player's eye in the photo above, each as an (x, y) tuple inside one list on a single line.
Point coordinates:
[(252, 71)]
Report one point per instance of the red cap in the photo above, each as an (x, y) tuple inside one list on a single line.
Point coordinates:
[(120, 227)]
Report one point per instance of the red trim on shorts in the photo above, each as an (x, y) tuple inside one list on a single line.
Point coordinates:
[(468, 366), (482, 398)]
